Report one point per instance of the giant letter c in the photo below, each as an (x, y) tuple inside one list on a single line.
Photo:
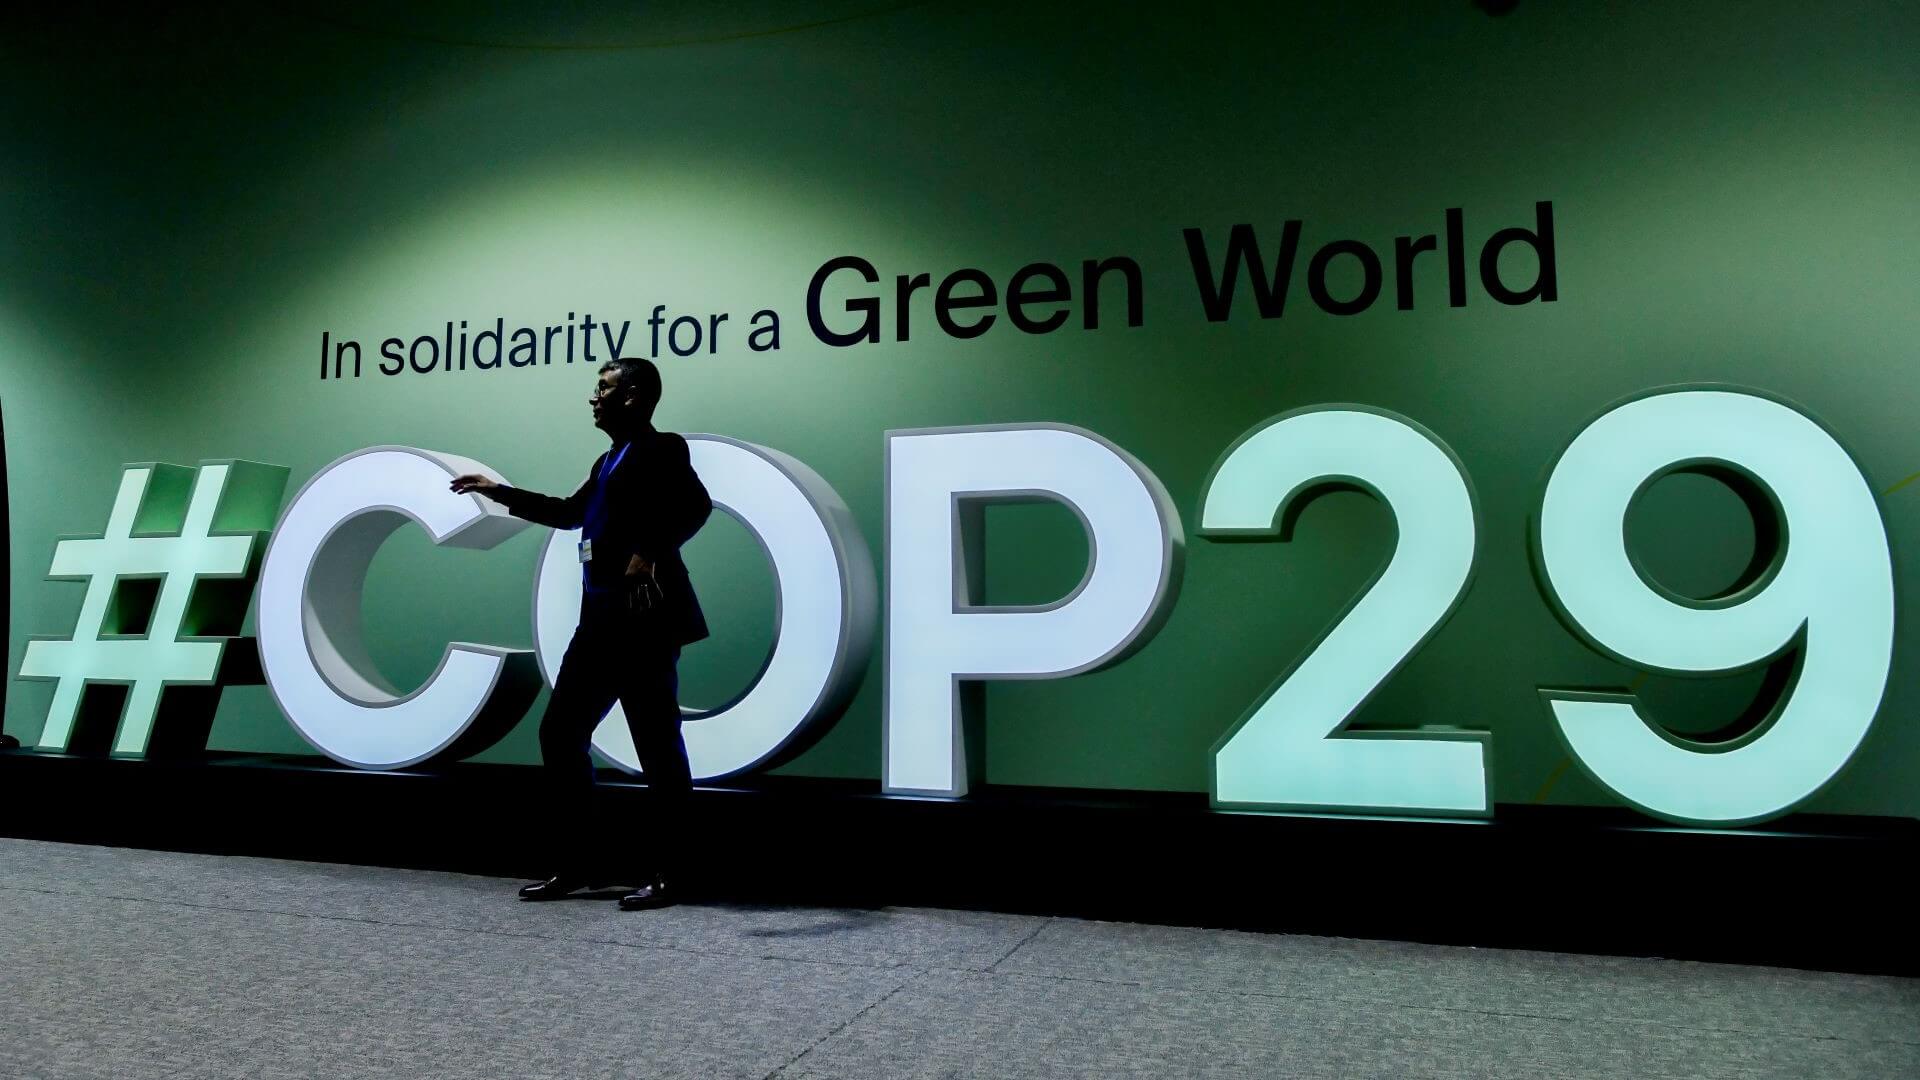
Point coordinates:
[(312, 644)]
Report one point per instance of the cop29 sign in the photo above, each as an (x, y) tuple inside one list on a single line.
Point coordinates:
[(1819, 592)]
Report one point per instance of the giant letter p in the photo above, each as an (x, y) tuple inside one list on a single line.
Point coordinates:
[(938, 637)]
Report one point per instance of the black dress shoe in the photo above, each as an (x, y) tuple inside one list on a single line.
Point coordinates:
[(654, 894), (554, 887)]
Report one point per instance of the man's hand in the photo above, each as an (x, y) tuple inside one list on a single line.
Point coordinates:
[(461, 485), (643, 590)]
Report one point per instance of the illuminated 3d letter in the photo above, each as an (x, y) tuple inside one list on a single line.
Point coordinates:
[(312, 644), (1818, 595), (937, 637), (192, 538), (824, 613), (1293, 749)]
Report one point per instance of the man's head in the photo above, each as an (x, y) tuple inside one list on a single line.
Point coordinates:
[(626, 394)]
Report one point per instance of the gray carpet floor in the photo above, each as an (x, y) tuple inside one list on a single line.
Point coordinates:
[(121, 963)]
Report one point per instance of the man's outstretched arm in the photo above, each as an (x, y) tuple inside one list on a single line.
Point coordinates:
[(567, 513)]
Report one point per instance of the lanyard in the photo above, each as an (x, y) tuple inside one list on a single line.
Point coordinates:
[(597, 512), (608, 464)]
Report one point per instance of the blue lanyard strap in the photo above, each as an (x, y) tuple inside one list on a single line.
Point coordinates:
[(597, 503), (596, 515), (612, 462)]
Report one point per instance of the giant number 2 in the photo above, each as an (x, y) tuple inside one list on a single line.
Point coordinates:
[(1288, 752)]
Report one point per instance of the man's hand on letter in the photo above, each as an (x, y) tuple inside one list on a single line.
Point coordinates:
[(473, 482)]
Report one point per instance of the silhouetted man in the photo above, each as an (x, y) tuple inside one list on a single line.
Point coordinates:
[(640, 502)]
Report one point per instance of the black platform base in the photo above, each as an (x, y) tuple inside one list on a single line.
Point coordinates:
[(1812, 892)]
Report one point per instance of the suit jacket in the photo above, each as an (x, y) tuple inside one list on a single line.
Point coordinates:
[(655, 502)]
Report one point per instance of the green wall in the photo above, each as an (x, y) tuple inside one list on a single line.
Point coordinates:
[(191, 198)]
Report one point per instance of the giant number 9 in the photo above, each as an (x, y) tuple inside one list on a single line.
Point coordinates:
[(1826, 591)]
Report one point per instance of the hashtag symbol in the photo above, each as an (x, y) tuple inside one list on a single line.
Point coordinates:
[(167, 585)]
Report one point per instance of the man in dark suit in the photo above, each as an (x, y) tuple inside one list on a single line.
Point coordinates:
[(640, 502)]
